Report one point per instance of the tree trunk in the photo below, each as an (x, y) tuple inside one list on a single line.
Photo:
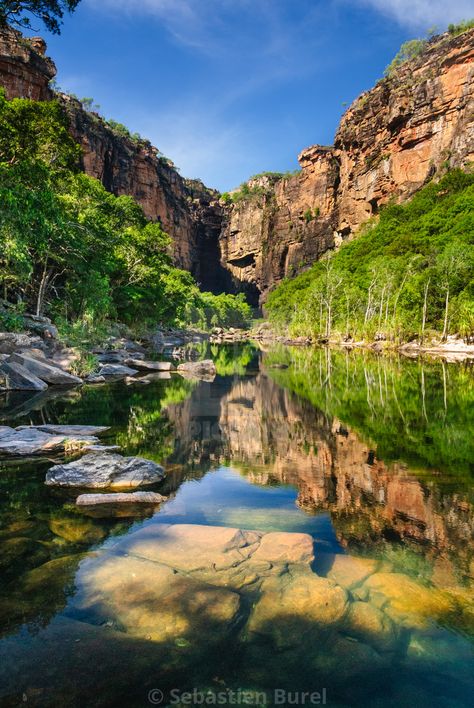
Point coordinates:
[(446, 311), (42, 288), (425, 310)]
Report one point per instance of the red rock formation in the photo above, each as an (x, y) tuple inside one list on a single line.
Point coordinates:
[(24, 70), (390, 142), (188, 211)]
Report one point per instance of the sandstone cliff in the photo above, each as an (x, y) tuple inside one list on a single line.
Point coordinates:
[(188, 211), (390, 142), (24, 70)]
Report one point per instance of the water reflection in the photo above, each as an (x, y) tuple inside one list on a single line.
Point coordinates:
[(369, 456)]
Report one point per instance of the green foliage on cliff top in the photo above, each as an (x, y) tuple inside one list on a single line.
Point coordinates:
[(461, 27), (409, 50), (72, 249), (249, 191), (411, 272)]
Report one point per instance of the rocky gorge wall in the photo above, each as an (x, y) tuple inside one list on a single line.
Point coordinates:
[(189, 212), (408, 129), (393, 139)]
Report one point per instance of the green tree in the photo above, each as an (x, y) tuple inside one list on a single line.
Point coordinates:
[(50, 12)]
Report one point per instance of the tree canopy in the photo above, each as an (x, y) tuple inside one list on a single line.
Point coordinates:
[(409, 273), (71, 249), (21, 12)]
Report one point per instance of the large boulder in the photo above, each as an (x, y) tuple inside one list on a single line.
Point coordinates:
[(31, 441), (99, 470), (204, 370), (52, 374), (40, 325), (15, 377)]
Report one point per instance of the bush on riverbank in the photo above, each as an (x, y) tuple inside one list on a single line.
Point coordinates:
[(409, 273), (72, 250)]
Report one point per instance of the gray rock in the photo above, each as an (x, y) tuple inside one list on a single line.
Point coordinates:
[(120, 498), (95, 379), (150, 365), (73, 430), (98, 470), (205, 370), (117, 370), (12, 341), (36, 442), (157, 342), (102, 448), (117, 356), (45, 371), (41, 326), (14, 377)]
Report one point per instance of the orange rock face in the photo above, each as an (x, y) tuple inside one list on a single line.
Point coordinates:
[(24, 70), (390, 142)]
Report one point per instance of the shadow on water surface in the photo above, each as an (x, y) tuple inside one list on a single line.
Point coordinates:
[(370, 456)]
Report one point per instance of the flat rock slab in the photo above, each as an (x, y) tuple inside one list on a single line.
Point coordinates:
[(46, 372), (119, 498), (14, 377), (67, 429), (190, 547), (32, 441), (150, 365), (116, 370), (102, 470)]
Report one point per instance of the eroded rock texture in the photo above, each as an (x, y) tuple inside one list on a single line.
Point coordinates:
[(391, 141), (188, 211)]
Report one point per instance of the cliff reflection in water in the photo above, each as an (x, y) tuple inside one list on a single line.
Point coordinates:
[(382, 444)]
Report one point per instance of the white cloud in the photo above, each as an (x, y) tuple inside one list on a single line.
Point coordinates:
[(423, 14)]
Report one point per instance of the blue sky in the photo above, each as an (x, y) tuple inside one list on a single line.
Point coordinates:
[(229, 88)]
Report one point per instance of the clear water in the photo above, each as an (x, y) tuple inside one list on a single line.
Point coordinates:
[(372, 457)]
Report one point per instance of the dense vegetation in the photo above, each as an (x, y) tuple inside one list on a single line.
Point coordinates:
[(72, 250), (410, 273)]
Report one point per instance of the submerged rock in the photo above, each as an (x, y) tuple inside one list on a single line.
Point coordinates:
[(154, 601), (14, 377), (49, 373), (290, 607), (99, 470), (406, 600), (76, 529)]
